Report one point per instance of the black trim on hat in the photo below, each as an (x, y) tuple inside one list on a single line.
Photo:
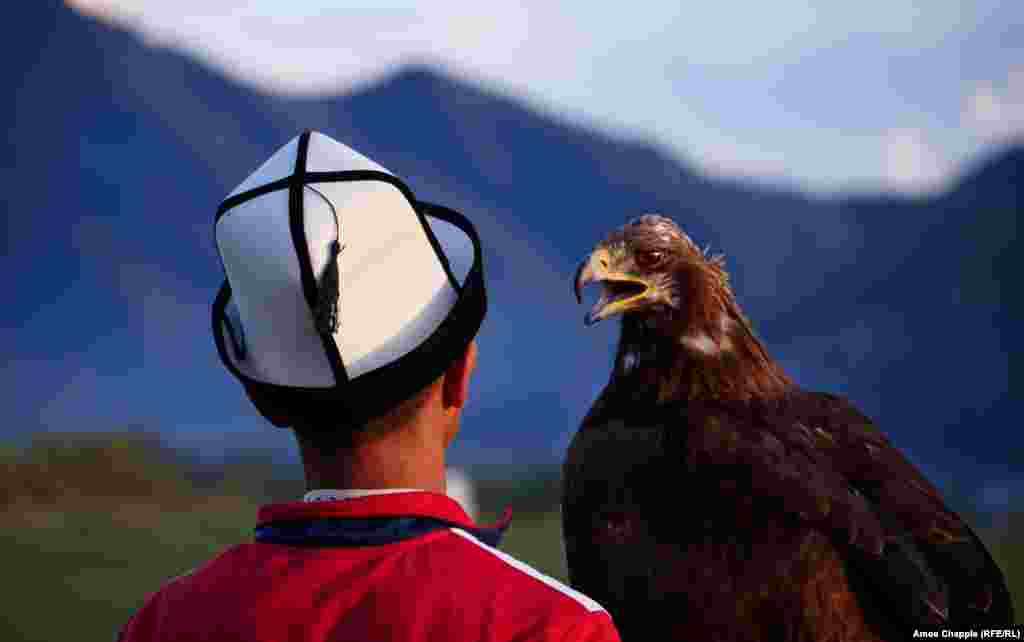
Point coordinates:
[(306, 178), (297, 223), (249, 194), (354, 401), (373, 175)]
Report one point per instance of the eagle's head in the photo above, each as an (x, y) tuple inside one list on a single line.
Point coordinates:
[(683, 333), (649, 268)]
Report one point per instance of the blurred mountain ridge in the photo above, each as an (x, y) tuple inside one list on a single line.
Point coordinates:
[(118, 153)]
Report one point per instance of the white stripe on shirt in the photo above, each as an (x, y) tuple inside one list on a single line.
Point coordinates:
[(585, 601)]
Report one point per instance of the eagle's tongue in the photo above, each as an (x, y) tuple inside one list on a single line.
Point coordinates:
[(611, 292)]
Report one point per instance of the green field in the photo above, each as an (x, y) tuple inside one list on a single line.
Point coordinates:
[(89, 531)]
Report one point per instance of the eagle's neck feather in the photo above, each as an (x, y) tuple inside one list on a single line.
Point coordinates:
[(672, 359)]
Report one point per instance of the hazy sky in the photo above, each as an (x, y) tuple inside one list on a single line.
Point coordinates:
[(893, 94)]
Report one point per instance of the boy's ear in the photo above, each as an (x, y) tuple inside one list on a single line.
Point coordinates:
[(456, 378)]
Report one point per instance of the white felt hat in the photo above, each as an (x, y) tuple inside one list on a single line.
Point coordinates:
[(344, 294)]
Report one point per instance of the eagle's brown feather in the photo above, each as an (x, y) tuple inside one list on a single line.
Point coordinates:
[(707, 496)]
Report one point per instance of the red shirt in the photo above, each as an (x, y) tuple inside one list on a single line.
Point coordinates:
[(403, 566)]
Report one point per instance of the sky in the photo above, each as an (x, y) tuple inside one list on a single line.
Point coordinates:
[(899, 95)]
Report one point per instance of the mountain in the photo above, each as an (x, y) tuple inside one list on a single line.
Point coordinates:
[(118, 153)]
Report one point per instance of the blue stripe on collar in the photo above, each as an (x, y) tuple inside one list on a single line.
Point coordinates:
[(365, 531)]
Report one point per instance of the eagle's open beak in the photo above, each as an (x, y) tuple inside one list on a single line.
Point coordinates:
[(621, 292)]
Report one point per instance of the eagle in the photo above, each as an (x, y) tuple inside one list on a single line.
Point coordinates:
[(706, 496)]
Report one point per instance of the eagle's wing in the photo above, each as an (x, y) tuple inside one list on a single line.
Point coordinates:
[(722, 511), (933, 560)]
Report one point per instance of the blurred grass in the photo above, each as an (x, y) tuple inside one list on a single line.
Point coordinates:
[(536, 538), (95, 564), (89, 531)]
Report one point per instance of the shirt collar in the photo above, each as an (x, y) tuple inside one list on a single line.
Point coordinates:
[(396, 503), (332, 494)]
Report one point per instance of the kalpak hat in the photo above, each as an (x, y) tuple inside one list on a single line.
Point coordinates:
[(345, 295)]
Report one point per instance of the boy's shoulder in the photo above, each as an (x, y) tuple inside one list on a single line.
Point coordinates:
[(495, 572), (456, 582)]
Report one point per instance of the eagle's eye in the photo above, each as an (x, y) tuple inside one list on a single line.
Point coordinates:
[(647, 259)]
